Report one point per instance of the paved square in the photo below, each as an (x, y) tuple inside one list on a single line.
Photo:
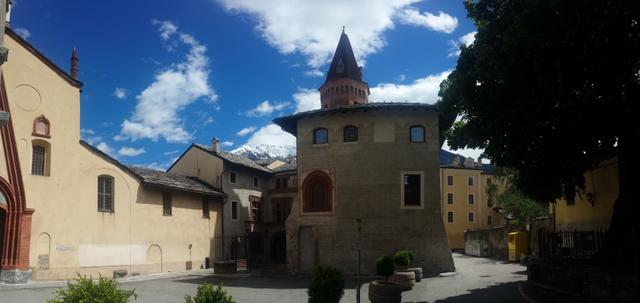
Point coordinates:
[(477, 280)]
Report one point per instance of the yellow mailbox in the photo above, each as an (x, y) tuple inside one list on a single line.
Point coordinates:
[(518, 245)]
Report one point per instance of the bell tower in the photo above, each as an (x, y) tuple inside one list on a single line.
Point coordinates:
[(344, 85)]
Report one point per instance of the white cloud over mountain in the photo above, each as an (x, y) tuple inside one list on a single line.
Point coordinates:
[(156, 114), (245, 131), (271, 135)]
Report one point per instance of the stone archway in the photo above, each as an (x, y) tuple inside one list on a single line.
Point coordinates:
[(154, 258)]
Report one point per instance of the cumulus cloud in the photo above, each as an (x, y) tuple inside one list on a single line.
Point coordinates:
[(466, 39), (312, 28), (22, 32), (271, 135), (171, 152), (130, 151), (306, 99), (245, 131), (105, 148), (423, 90), (156, 114), (441, 22), (227, 143), (266, 108), (120, 93), (314, 73)]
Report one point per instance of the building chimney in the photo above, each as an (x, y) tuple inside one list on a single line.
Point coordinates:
[(215, 145), (74, 63)]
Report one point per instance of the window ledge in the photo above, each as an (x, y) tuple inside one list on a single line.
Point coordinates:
[(319, 145)]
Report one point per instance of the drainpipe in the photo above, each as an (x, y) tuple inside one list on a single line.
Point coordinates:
[(4, 52)]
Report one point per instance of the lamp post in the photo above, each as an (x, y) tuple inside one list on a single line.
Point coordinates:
[(359, 224)]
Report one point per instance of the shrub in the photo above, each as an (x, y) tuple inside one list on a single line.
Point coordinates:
[(384, 266), (208, 293), (403, 257), (327, 285), (104, 290)]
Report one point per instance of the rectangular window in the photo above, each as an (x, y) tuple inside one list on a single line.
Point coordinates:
[(470, 181), (449, 198), (450, 217), (490, 201), (234, 210), (105, 193), (38, 160), (489, 220), (232, 177), (471, 199), (278, 183), (166, 204), (205, 208), (256, 182), (450, 180), (471, 217), (412, 189), (256, 208)]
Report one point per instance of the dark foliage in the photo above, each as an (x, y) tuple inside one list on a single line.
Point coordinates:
[(327, 285), (384, 266)]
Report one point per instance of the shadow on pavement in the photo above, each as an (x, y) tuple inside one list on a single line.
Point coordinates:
[(499, 293), (281, 282)]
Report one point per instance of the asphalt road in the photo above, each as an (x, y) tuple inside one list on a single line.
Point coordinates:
[(476, 280)]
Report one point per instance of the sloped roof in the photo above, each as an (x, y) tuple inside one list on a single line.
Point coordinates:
[(288, 166), (233, 158), (152, 177), (173, 181), (289, 123)]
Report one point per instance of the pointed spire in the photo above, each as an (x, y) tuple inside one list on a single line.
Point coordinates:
[(74, 63), (344, 63)]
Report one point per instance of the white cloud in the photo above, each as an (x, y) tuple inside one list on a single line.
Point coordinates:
[(227, 143), (401, 77), (120, 93), (271, 135), (156, 114), (245, 131), (173, 152), (266, 108), (306, 99), (22, 32), (466, 39), (316, 73), (130, 151), (105, 148), (441, 22), (423, 90), (467, 152), (312, 28)]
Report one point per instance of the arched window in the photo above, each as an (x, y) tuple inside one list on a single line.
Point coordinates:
[(320, 136), (416, 133), (105, 193), (317, 191), (40, 158), (41, 127), (350, 134)]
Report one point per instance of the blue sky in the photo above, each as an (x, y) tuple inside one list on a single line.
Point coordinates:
[(159, 75)]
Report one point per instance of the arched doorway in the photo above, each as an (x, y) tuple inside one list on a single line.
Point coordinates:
[(154, 258), (3, 215)]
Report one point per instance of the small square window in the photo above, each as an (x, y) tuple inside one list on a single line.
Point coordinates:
[(471, 198), (416, 134), (450, 217), (450, 180), (449, 198), (320, 136), (471, 217), (232, 177), (489, 220)]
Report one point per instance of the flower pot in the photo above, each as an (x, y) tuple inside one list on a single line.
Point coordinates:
[(385, 292), (418, 272), (406, 279)]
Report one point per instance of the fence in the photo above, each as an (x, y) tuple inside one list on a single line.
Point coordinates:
[(571, 244)]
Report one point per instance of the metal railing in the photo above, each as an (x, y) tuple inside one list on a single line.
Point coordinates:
[(571, 244)]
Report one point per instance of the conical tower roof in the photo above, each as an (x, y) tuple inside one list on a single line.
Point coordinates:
[(344, 63)]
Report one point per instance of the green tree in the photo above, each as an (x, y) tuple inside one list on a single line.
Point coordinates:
[(104, 290), (550, 88)]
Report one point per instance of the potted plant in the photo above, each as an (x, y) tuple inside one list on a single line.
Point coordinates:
[(417, 270), (384, 291), (402, 276)]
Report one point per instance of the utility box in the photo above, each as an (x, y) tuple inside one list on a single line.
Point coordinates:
[(518, 245)]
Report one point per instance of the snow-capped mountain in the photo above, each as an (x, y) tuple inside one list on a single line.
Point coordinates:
[(264, 151)]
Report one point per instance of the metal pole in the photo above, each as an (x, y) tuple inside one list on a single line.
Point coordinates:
[(359, 223)]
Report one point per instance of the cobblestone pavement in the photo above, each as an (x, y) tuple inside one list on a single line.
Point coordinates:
[(477, 280)]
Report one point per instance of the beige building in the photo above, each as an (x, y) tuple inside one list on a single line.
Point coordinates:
[(66, 207), (376, 162), (465, 202)]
